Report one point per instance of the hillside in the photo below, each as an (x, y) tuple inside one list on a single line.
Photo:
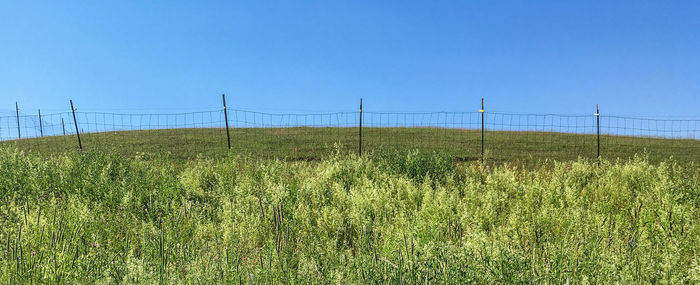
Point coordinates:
[(308, 143)]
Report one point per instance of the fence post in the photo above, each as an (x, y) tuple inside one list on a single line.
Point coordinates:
[(64, 126), (360, 150), (19, 133), (80, 144), (228, 136), (482, 111), (41, 126), (597, 116)]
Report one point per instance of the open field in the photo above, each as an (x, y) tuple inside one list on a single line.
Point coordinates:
[(386, 217), (305, 143)]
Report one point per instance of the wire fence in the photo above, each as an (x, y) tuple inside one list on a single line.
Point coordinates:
[(494, 136)]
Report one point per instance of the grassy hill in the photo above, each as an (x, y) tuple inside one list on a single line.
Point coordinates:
[(309, 143)]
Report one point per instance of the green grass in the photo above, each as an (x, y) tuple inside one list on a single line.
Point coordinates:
[(417, 217), (306, 143)]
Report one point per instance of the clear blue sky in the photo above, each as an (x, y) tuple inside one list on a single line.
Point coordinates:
[(632, 57)]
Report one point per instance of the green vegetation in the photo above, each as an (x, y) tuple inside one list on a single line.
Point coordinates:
[(398, 217), (305, 143)]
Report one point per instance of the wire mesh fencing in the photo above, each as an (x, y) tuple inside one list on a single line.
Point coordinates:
[(659, 139), (182, 134), (310, 136)]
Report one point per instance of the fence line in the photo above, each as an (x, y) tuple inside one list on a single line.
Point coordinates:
[(498, 136)]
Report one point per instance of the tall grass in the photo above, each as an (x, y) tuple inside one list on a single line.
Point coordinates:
[(383, 218)]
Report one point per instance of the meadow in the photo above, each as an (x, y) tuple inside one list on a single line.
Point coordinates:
[(311, 143), (396, 217)]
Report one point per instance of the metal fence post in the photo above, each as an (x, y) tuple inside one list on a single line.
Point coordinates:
[(80, 144), (597, 116), (228, 136), (41, 126), (64, 126), (482, 111), (19, 133), (360, 150)]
